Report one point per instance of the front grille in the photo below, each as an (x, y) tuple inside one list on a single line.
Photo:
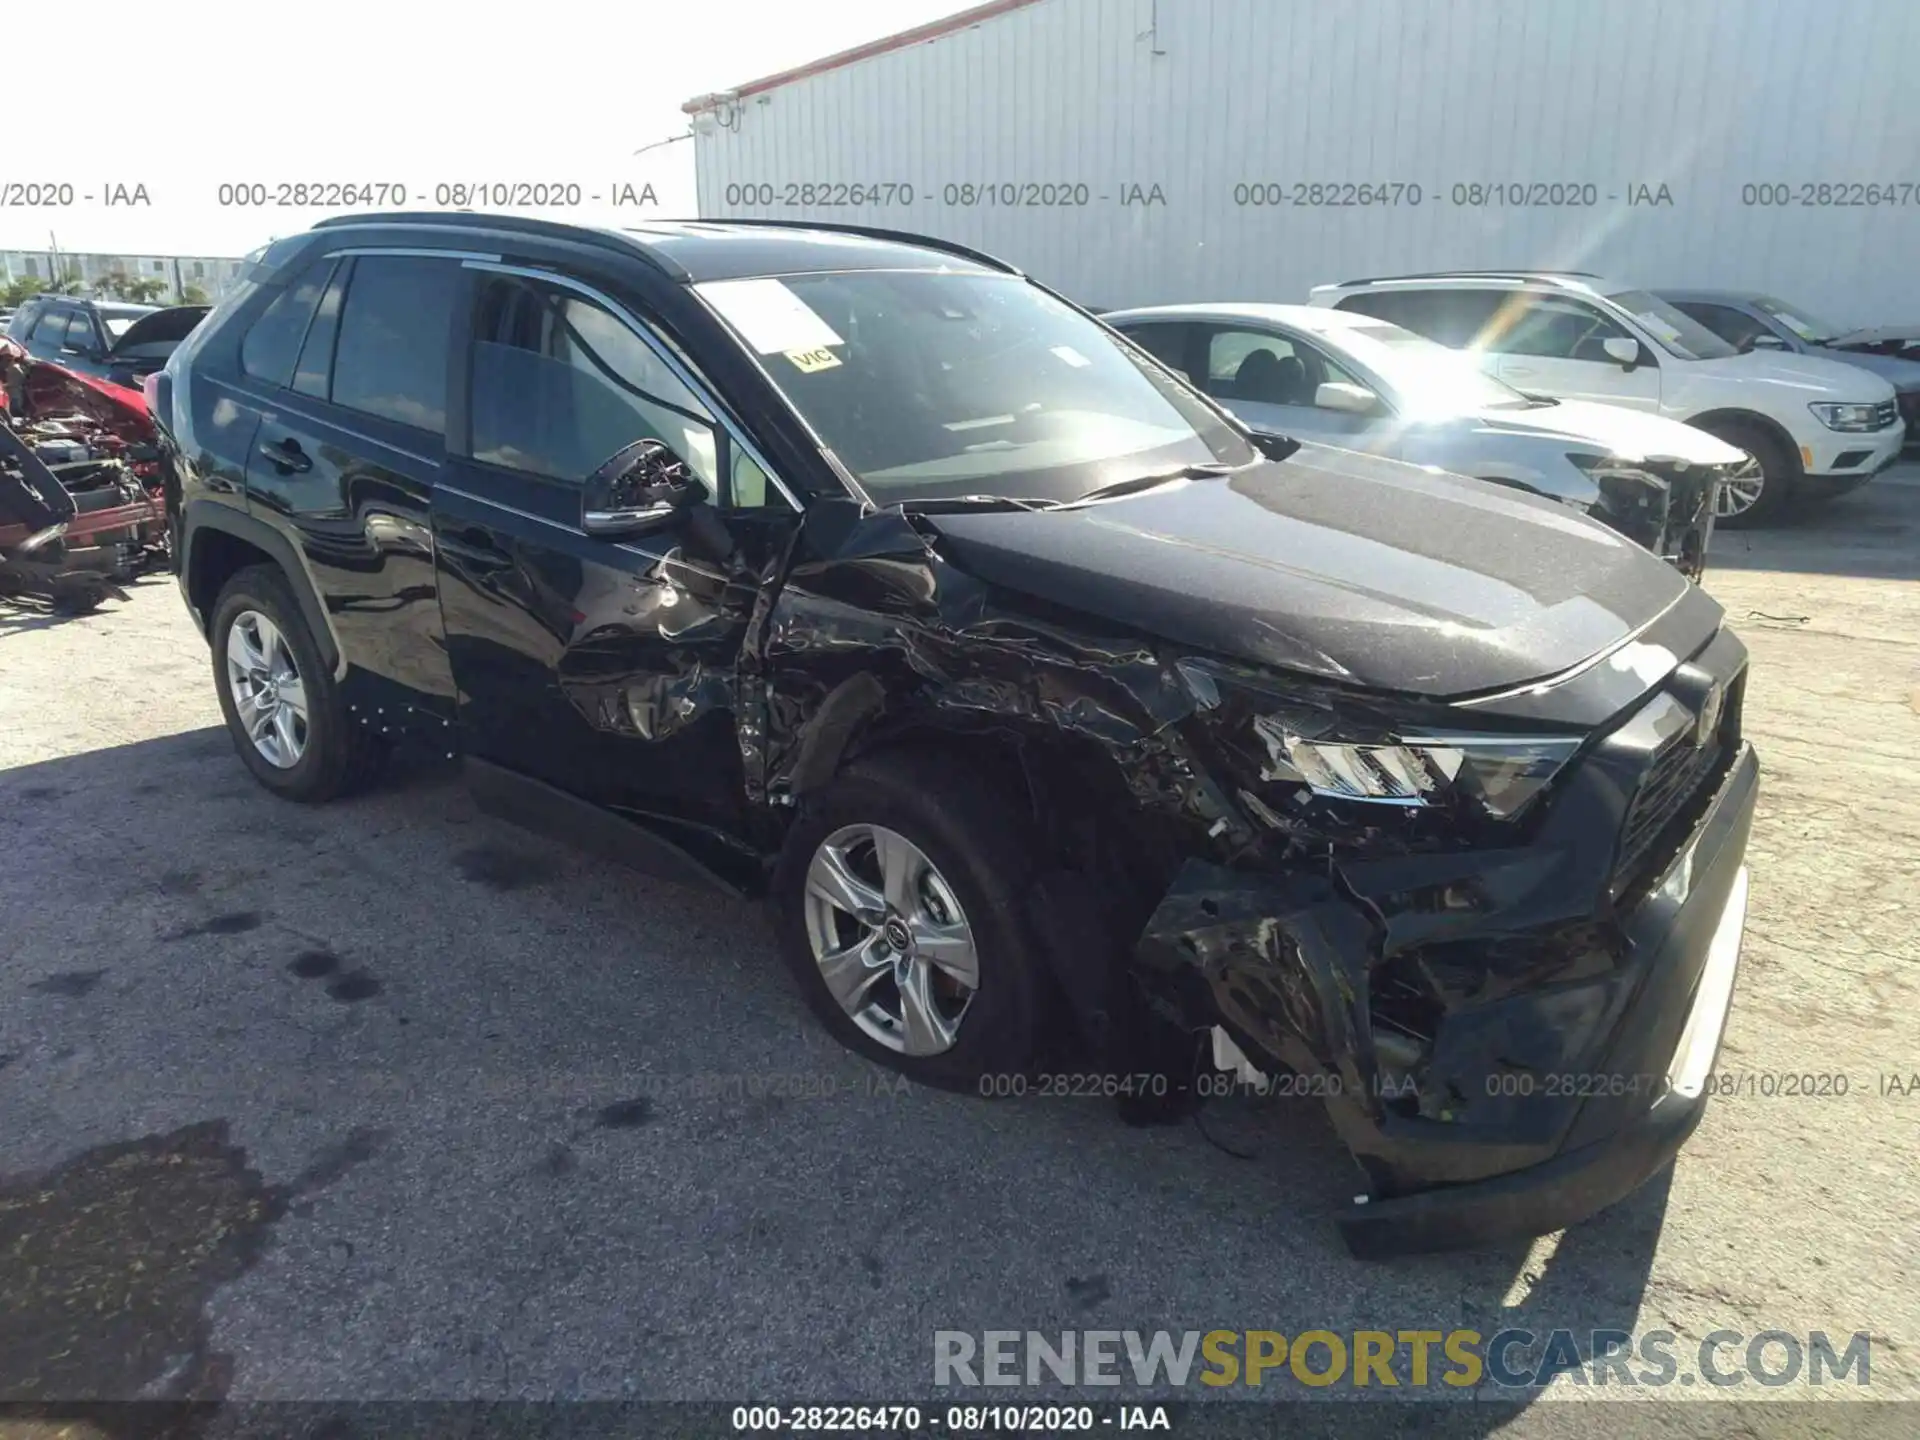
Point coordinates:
[(1885, 414), (1676, 779)]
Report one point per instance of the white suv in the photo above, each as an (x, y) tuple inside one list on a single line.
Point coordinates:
[(1817, 427)]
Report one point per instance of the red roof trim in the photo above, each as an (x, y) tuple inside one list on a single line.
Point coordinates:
[(932, 30)]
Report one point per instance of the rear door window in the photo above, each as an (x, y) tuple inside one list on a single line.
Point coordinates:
[(390, 357), (272, 344)]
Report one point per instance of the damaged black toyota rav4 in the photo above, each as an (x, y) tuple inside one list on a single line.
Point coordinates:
[(1046, 706)]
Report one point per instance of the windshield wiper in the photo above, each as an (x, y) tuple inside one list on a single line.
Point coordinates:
[(1138, 483)]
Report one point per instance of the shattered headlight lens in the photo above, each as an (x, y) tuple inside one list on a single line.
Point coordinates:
[(1503, 773)]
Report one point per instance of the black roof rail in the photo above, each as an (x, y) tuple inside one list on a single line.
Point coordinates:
[(874, 232), (1506, 274), (512, 224)]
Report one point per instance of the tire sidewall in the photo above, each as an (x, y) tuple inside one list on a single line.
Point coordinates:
[(314, 773), (999, 1031)]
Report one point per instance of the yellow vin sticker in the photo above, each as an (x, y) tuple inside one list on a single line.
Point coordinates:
[(808, 361)]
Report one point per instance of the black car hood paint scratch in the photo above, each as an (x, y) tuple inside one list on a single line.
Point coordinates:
[(1337, 565)]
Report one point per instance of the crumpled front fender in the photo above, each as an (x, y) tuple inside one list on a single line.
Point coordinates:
[(1281, 961)]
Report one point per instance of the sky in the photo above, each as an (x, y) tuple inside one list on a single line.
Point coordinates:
[(380, 91)]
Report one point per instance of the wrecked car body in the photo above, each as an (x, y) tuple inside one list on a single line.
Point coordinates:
[(80, 460), (1032, 690), (98, 442)]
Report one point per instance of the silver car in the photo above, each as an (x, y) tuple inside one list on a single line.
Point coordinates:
[(1363, 384)]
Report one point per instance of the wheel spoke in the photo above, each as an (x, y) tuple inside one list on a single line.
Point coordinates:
[(950, 947), (833, 880), (900, 866), (286, 733), (293, 696), (927, 1032), (253, 654), (850, 973)]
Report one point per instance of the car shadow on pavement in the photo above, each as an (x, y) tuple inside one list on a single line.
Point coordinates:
[(196, 978), (1873, 533)]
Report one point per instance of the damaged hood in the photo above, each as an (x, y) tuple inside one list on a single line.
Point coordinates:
[(1330, 563)]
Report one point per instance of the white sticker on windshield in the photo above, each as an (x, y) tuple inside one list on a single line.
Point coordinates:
[(1795, 324), (1072, 356), (771, 318)]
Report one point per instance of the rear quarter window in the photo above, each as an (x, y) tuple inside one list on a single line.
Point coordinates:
[(271, 345)]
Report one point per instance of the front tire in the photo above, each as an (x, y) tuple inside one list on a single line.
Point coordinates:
[(899, 906), (282, 707)]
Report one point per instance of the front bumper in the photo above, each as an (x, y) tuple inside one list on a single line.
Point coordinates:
[(1576, 1183), (1574, 987), (1837, 462)]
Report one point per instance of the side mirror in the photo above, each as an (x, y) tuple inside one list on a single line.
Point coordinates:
[(1623, 349), (1764, 341), (641, 488), (1348, 399)]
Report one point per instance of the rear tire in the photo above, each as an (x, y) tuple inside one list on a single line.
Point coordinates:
[(336, 755), (1779, 473), (975, 843)]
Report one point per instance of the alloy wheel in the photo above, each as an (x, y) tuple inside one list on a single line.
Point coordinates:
[(892, 943), (1740, 491), (268, 694)]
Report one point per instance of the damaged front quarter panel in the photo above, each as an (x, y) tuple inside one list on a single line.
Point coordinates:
[(874, 634)]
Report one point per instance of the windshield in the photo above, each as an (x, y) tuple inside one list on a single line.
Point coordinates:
[(1811, 328), (1428, 379), (935, 384), (1677, 332)]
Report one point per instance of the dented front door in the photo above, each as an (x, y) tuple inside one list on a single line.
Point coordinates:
[(603, 666)]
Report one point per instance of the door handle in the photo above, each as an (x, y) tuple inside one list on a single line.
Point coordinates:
[(1520, 370), (287, 456)]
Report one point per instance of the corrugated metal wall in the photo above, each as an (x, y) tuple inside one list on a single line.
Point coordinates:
[(1712, 99)]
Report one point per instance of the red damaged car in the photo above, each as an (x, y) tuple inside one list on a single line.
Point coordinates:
[(95, 438)]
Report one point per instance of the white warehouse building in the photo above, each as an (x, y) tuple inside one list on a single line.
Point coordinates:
[(1134, 152)]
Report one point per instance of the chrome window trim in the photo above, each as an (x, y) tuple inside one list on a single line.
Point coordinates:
[(699, 389)]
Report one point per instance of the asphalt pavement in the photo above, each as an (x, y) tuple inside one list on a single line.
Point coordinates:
[(388, 1101)]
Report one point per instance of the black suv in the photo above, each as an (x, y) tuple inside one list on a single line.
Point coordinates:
[(1055, 714), (105, 339)]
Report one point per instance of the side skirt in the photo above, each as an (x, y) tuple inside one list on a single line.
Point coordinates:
[(537, 806)]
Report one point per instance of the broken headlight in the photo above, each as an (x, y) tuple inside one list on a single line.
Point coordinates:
[(1502, 773)]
